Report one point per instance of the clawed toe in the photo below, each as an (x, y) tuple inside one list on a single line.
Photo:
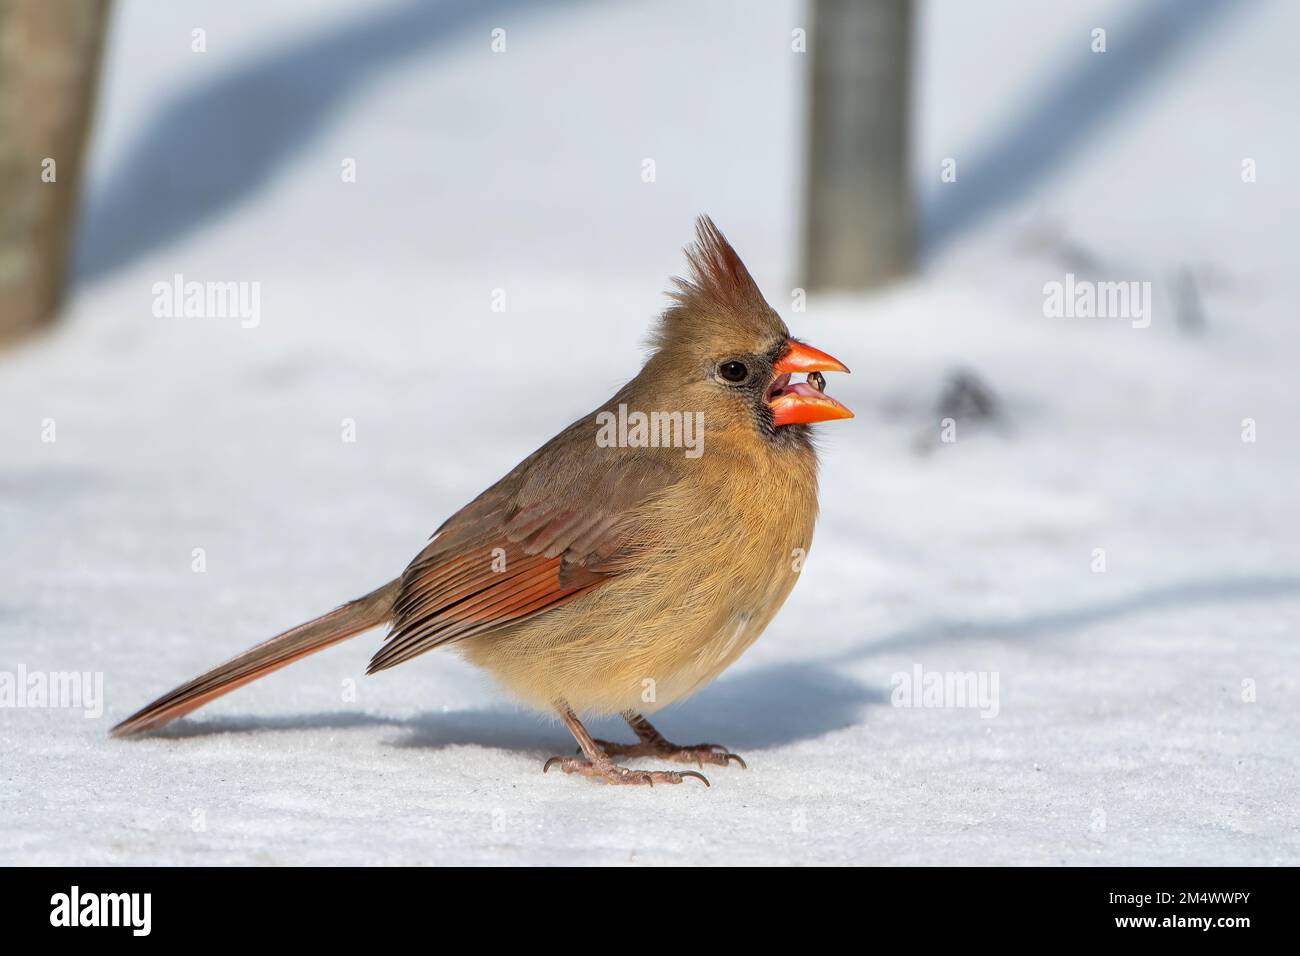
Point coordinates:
[(595, 758), (691, 773), (698, 754), (610, 772)]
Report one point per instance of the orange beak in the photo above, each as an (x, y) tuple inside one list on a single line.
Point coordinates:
[(802, 403)]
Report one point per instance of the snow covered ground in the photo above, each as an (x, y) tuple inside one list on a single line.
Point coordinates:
[(1145, 714)]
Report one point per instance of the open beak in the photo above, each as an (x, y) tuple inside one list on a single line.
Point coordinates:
[(803, 403)]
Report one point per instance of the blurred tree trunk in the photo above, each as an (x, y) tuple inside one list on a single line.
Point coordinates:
[(859, 229), (49, 61)]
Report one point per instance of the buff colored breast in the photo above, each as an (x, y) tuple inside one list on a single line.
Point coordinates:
[(719, 560)]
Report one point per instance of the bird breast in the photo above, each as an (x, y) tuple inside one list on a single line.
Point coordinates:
[(718, 553)]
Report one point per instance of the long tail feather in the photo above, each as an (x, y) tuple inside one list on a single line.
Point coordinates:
[(338, 625)]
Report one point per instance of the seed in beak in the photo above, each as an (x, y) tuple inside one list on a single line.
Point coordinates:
[(818, 381)]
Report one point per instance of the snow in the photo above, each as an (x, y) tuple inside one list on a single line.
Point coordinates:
[(1124, 733)]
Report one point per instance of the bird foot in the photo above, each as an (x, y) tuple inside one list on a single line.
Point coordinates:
[(698, 754), (610, 772)]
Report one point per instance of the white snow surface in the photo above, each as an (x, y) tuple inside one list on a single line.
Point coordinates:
[(1147, 714)]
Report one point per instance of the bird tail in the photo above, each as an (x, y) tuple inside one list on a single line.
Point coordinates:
[(339, 624)]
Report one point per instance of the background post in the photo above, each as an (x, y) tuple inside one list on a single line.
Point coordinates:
[(859, 227), (49, 60)]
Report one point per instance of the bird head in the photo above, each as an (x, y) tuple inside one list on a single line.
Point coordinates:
[(722, 349)]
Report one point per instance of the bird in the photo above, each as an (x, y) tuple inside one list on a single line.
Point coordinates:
[(629, 560)]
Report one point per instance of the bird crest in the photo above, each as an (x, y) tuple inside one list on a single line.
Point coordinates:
[(720, 299)]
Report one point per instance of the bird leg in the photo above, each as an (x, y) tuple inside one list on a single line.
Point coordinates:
[(651, 743), (594, 762)]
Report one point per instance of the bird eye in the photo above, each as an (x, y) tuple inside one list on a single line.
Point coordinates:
[(733, 371)]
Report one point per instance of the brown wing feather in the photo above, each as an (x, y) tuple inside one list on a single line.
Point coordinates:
[(558, 526)]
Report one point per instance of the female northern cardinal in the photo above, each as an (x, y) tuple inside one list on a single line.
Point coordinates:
[(611, 572)]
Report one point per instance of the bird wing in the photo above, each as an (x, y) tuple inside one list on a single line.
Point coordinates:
[(562, 523)]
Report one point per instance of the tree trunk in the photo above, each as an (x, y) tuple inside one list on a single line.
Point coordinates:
[(49, 60), (859, 229)]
